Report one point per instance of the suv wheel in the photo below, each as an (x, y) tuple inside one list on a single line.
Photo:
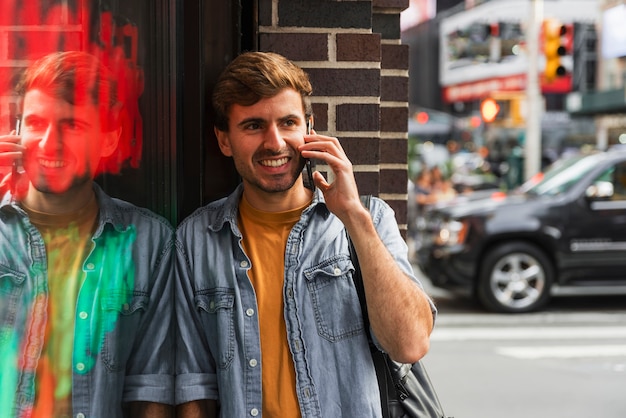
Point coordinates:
[(515, 277)]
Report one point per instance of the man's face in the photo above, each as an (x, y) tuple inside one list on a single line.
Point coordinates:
[(64, 142), (263, 140)]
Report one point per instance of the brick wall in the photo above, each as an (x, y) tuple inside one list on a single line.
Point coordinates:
[(359, 72)]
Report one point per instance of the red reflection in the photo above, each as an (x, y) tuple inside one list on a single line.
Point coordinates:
[(35, 28)]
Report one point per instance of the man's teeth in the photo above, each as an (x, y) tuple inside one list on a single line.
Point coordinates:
[(52, 163), (274, 163)]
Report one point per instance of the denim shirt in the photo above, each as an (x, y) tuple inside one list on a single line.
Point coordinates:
[(218, 346), (123, 334)]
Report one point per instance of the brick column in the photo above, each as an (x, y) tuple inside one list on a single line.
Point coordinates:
[(394, 97)]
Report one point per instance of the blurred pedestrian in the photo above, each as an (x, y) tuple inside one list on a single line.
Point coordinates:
[(424, 195)]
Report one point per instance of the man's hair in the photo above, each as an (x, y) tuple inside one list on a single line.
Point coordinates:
[(253, 76), (76, 77)]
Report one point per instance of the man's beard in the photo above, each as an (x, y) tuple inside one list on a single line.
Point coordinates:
[(285, 183), (48, 186)]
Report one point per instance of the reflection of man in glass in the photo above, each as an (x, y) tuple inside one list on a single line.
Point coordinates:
[(85, 303)]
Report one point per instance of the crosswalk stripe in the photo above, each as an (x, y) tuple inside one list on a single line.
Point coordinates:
[(587, 351), (527, 333)]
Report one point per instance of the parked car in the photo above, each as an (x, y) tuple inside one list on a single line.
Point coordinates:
[(566, 227)]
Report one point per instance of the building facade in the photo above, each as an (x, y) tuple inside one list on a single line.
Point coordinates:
[(480, 50), (606, 100)]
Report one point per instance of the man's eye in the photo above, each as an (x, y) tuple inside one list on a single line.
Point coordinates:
[(34, 125), (71, 126)]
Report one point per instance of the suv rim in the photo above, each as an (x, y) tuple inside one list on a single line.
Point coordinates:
[(517, 280)]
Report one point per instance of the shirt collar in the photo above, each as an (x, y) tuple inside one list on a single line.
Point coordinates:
[(109, 211), (228, 209)]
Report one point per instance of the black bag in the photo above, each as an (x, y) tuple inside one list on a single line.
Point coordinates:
[(405, 389)]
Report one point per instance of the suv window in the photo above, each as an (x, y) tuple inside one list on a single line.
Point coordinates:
[(617, 175), (562, 177)]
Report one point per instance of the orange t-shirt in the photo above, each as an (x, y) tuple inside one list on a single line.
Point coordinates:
[(265, 238)]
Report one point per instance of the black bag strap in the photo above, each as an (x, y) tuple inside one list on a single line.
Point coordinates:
[(358, 278), (385, 383)]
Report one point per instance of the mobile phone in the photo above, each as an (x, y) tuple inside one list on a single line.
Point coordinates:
[(18, 168), (307, 161)]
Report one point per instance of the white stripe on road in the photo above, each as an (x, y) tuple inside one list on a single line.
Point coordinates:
[(527, 333), (534, 353)]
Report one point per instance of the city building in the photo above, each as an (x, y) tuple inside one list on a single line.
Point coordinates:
[(606, 100), (474, 53)]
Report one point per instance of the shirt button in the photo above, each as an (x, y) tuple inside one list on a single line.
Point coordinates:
[(125, 307), (254, 412), (337, 271), (91, 266), (243, 264), (83, 315), (80, 415), (80, 367), (253, 363), (250, 312)]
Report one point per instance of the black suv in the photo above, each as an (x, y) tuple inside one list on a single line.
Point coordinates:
[(569, 228)]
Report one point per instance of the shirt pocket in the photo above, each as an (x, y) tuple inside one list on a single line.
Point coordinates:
[(334, 298), (216, 307), (11, 287), (121, 320)]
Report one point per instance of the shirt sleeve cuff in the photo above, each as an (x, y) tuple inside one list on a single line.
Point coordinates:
[(149, 388), (195, 386)]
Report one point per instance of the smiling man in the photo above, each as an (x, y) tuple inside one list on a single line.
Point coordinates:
[(85, 295), (269, 319)]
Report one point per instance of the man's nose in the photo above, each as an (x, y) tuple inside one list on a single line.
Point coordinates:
[(51, 140), (274, 139)]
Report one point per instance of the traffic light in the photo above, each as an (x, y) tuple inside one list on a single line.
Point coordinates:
[(504, 108), (554, 47), (489, 109)]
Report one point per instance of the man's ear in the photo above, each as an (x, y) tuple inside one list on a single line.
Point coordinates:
[(223, 141), (111, 137), (110, 141)]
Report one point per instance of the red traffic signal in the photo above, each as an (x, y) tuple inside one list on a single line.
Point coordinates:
[(489, 109)]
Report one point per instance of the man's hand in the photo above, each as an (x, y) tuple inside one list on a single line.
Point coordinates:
[(198, 409), (148, 410), (340, 190), (11, 151)]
